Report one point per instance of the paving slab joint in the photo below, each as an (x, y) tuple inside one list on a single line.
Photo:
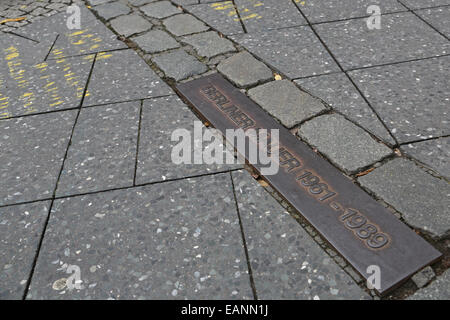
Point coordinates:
[(51, 47), (239, 16), (426, 168), (137, 142), (244, 241), (419, 17), (27, 286)]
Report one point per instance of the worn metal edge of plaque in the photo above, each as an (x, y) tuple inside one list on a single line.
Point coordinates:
[(357, 226)]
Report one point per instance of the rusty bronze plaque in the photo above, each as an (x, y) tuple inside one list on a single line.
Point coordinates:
[(357, 226)]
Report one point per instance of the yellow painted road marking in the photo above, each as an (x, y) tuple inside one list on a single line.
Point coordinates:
[(77, 33)]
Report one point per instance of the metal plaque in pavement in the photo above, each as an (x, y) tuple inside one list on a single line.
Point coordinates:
[(365, 233)]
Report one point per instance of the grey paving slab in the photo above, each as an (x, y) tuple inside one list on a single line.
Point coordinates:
[(47, 28), (438, 18), (417, 4), (114, 81), (102, 154), (260, 16), (209, 44), (15, 49), (221, 16), (423, 200), (283, 100), (33, 150), (286, 262), (44, 29), (403, 36), (19, 81), (156, 41), (409, 97), (345, 144), (93, 37), (160, 9), (164, 241), (179, 65), (296, 52), (21, 227), (130, 24), (438, 290), (244, 70), (111, 9), (340, 93), (433, 153), (184, 24), (331, 10), (155, 147), (52, 85)]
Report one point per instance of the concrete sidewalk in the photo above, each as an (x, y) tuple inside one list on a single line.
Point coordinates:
[(87, 116)]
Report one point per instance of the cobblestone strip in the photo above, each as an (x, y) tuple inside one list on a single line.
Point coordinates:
[(200, 50)]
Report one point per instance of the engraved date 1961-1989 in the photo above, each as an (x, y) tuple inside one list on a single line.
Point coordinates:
[(315, 186), (352, 219), (365, 230)]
